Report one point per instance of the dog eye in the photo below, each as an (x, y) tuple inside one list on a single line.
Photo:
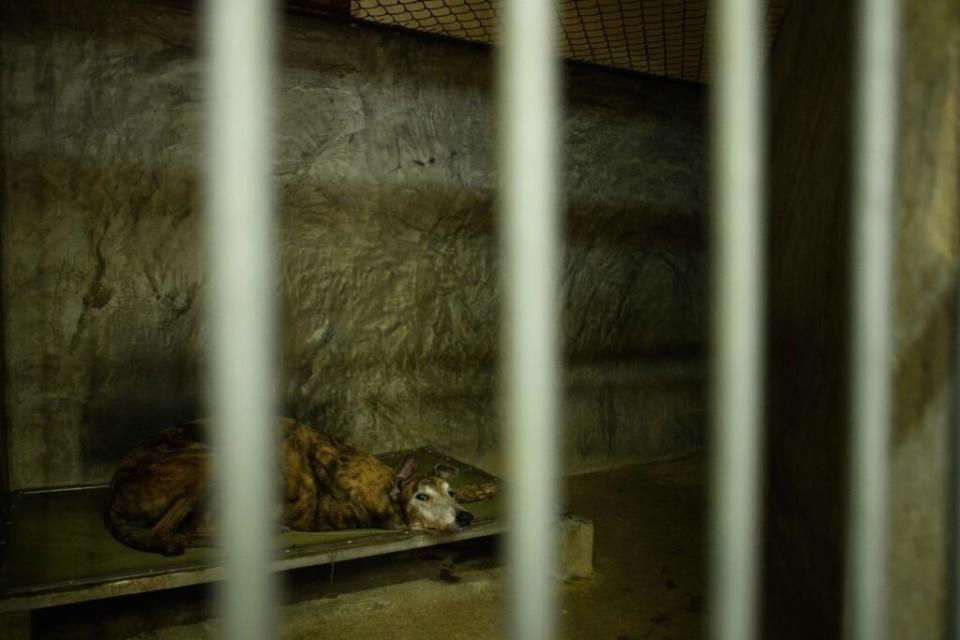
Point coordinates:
[(422, 497)]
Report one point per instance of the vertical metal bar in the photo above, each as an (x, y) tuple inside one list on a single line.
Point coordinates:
[(528, 152), (875, 119), (241, 328), (738, 151)]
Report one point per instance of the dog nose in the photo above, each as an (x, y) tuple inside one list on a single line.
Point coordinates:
[(464, 518)]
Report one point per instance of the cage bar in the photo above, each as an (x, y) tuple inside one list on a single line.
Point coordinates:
[(736, 384), (528, 152), (875, 118), (241, 305)]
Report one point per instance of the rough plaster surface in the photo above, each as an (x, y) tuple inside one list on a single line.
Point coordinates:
[(925, 313), (385, 185)]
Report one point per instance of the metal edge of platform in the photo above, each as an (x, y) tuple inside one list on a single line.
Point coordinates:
[(43, 596), (211, 573)]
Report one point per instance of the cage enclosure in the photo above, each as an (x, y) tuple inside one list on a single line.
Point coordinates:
[(385, 180)]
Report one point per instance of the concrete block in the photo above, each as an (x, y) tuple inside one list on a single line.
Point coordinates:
[(576, 547)]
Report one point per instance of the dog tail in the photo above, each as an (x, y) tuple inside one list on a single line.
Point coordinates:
[(477, 492), (139, 538), (155, 540)]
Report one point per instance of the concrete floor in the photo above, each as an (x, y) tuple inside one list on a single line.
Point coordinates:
[(648, 584)]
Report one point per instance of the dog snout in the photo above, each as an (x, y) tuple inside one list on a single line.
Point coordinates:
[(464, 518)]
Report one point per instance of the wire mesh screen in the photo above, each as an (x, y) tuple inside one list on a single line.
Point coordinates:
[(662, 37)]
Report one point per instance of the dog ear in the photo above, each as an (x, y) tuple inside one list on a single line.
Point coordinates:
[(446, 471), (404, 471)]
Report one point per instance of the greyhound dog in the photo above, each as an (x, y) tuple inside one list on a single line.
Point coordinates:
[(159, 497)]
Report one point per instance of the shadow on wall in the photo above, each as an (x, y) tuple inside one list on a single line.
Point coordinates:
[(808, 322), (133, 398)]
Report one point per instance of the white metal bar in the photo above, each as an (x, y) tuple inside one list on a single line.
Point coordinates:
[(875, 122), (528, 115), (738, 110), (241, 327)]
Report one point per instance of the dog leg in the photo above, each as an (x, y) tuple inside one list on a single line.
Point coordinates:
[(169, 543)]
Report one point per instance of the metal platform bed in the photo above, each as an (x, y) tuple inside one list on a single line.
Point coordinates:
[(56, 550)]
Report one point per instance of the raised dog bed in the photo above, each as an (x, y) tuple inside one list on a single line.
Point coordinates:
[(56, 550)]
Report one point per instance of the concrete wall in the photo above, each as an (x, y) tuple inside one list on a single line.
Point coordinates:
[(385, 180), (927, 277), (809, 327)]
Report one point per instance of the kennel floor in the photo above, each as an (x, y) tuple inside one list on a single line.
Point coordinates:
[(56, 550)]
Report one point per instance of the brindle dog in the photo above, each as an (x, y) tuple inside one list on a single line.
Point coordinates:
[(158, 499)]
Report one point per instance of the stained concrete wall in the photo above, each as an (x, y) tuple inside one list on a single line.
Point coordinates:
[(927, 277), (385, 181), (809, 326)]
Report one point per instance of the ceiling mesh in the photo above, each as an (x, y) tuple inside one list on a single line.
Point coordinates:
[(661, 37)]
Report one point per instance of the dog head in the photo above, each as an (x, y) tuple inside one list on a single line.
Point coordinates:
[(428, 501)]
